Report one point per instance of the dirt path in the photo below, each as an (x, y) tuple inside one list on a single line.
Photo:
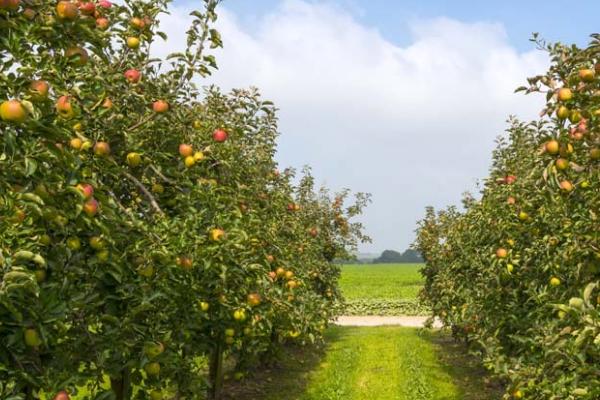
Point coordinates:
[(408, 321)]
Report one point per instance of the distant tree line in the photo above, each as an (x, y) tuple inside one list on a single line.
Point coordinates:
[(409, 256)]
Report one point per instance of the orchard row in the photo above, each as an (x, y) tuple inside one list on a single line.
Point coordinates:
[(516, 272), (145, 226)]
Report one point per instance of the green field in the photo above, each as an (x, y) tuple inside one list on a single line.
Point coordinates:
[(382, 289), (383, 363)]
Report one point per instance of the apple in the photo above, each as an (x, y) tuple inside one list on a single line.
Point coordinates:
[(45, 240), (562, 164), (64, 108), (185, 150), (90, 207), (103, 255), (552, 147), (586, 75), (270, 258), (595, 153), (230, 332), (32, 338), (101, 149), (107, 103), (86, 190), (280, 272), (189, 161), (566, 186), (565, 94), (146, 271), (152, 369), (73, 243), (102, 23), (39, 90), (517, 394), (13, 111), (87, 8), (254, 299), (217, 234), (292, 284), (563, 112), (132, 75), (104, 4), (160, 106), (97, 243), (510, 179), (219, 135), (239, 315), (62, 395), (273, 275), (291, 207), (67, 10), (198, 156), (523, 216), (184, 262), (575, 116), (137, 23), (204, 306), (78, 55), (511, 200), (554, 281), (133, 42), (197, 124), (28, 13), (576, 302), (134, 159), (314, 232), (158, 188), (501, 253), (153, 350), (289, 274), (10, 5)]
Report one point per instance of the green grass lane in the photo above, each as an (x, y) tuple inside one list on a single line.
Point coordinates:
[(380, 363)]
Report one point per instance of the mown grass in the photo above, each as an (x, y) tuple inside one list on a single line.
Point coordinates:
[(381, 281), (381, 363), (382, 289)]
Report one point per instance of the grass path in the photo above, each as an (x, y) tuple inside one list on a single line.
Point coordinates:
[(373, 363)]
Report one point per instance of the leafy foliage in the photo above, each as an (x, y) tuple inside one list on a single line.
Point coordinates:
[(516, 272), (144, 223)]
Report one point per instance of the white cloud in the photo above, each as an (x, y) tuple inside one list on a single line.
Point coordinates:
[(413, 125)]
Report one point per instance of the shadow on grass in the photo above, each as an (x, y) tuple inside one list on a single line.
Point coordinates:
[(466, 370), (288, 377)]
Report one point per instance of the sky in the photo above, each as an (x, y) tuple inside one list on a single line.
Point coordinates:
[(402, 99)]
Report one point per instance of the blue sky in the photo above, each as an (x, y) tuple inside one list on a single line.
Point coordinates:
[(403, 100), (554, 20)]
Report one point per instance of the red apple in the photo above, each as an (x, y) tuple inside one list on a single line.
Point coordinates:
[(102, 23), (87, 8), (90, 207), (39, 89), (64, 108), (101, 149), (219, 135), (78, 55), (86, 190), (11, 5), (185, 150), (510, 179), (13, 111), (160, 106), (62, 395), (104, 4), (133, 75)]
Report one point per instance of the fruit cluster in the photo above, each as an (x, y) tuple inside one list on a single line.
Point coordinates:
[(516, 273), (141, 217)]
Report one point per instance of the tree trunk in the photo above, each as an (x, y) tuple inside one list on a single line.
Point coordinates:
[(216, 373), (121, 386)]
